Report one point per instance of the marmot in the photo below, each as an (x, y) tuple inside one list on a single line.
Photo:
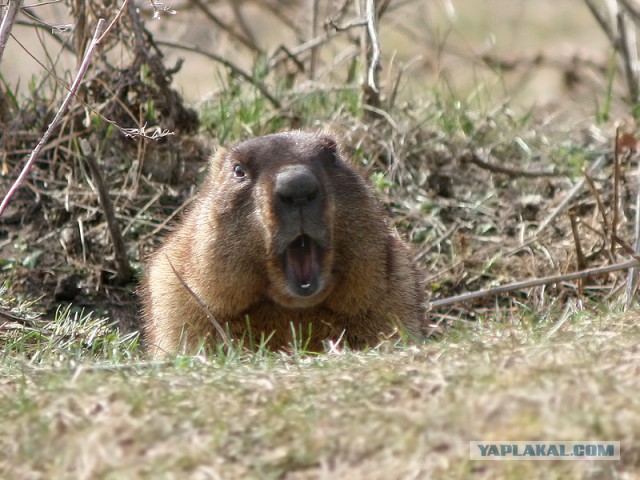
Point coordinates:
[(285, 242)]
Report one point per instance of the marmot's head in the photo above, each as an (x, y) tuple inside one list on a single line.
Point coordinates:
[(286, 191)]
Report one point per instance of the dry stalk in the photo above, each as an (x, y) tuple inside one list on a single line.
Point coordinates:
[(581, 260), (97, 37), (632, 279), (629, 59), (278, 11), (370, 45), (244, 26), (620, 38), (374, 62), (227, 28), (596, 167), (314, 33), (536, 282), (80, 29), (119, 250), (475, 158), (164, 223), (172, 102), (7, 23), (600, 205), (204, 307), (616, 192), (234, 68), (602, 21), (294, 54)]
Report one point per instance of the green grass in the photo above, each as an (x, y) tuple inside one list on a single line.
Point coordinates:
[(94, 409), (78, 398)]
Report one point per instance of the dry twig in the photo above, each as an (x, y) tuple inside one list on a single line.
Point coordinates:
[(371, 55), (590, 272), (616, 193), (597, 165), (474, 157), (176, 111), (620, 39), (97, 36), (632, 279), (204, 307), (625, 47), (581, 259), (234, 68), (227, 28), (602, 21), (7, 23), (314, 31), (120, 253)]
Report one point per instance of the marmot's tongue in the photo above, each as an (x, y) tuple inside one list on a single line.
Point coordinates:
[(301, 259)]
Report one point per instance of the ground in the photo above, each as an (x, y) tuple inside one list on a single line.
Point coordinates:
[(483, 147)]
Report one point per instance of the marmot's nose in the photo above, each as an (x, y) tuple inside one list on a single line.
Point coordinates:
[(296, 186)]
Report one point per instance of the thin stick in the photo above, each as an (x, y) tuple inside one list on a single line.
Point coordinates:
[(628, 62), (314, 32), (632, 279), (372, 29), (119, 250), (57, 119), (616, 193), (246, 30), (7, 23), (602, 21), (631, 10), (293, 53), (163, 224), (227, 28), (581, 260), (204, 307), (474, 157), (234, 69), (598, 198), (597, 165), (535, 283)]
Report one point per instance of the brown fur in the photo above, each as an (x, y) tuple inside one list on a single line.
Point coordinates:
[(234, 251)]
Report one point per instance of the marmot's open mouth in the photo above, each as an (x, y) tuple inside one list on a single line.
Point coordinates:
[(302, 266)]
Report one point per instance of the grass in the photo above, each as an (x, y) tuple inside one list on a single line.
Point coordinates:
[(392, 412), (78, 399)]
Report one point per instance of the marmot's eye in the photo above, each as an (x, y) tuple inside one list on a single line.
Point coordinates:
[(239, 171)]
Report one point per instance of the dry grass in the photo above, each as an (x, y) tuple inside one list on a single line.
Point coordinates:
[(76, 399), (404, 412)]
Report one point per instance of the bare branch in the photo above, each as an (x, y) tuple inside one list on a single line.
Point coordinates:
[(203, 305), (235, 69), (214, 18), (374, 60), (475, 158), (120, 253), (632, 10), (7, 23), (590, 272), (602, 21), (314, 31), (56, 120), (629, 63), (632, 279), (246, 30), (597, 165)]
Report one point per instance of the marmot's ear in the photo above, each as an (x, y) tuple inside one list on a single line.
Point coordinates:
[(217, 160), (329, 143), (331, 147)]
